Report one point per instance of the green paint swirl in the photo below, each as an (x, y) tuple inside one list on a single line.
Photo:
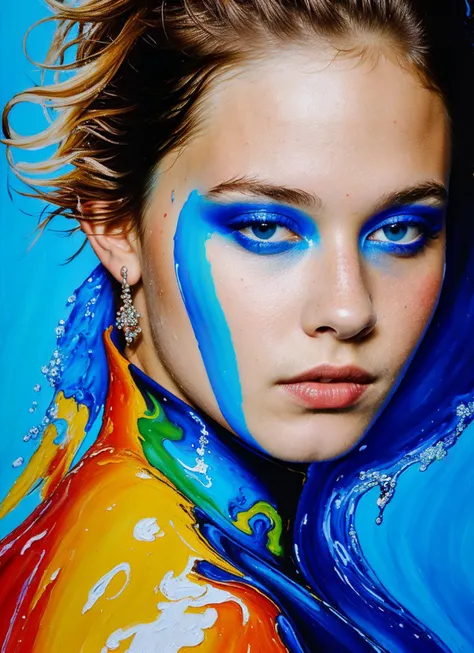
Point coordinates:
[(274, 534)]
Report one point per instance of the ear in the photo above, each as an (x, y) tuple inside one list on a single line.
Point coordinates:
[(114, 246)]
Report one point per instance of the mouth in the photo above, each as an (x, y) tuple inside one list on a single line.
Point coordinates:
[(329, 387)]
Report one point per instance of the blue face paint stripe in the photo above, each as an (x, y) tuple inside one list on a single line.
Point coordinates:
[(196, 284)]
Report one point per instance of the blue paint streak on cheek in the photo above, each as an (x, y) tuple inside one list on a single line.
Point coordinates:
[(194, 276)]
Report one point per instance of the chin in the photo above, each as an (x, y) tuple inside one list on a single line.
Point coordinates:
[(316, 442), (311, 454)]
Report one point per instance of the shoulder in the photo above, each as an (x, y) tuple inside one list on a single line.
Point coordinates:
[(120, 562)]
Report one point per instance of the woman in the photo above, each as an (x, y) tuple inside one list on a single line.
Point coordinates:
[(271, 180)]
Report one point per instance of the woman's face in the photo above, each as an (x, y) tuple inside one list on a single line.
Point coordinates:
[(293, 252)]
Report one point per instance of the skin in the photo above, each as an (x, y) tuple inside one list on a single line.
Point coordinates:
[(351, 131)]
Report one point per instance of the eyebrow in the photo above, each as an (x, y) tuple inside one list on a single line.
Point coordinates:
[(255, 186), (422, 192)]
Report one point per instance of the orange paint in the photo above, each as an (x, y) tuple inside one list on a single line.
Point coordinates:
[(112, 553)]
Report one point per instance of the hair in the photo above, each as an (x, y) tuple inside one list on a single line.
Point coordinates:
[(141, 70)]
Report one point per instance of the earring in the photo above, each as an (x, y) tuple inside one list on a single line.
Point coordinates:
[(127, 315)]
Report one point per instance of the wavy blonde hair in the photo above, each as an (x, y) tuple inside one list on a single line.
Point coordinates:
[(140, 68)]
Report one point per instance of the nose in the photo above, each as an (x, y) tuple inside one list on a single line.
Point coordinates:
[(340, 301)]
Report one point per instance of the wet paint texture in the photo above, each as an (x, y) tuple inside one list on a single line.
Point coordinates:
[(168, 531), (141, 587), (77, 374), (208, 563)]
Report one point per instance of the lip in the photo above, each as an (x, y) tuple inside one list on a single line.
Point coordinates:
[(329, 387)]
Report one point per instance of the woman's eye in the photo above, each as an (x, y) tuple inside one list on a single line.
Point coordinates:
[(400, 233), (268, 231)]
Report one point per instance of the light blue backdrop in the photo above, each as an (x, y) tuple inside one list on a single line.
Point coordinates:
[(424, 551)]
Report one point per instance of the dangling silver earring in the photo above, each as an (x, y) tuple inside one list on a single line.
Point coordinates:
[(127, 315)]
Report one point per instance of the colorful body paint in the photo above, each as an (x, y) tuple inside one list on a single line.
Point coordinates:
[(66, 431), (169, 531), (191, 575)]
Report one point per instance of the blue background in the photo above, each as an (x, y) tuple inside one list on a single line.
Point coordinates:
[(423, 552)]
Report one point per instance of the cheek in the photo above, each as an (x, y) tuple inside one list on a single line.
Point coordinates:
[(163, 298), (426, 293), (405, 307), (259, 297), (172, 332)]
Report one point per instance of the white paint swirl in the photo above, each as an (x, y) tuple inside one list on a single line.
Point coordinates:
[(175, 628), (99, 588), (147, 530)]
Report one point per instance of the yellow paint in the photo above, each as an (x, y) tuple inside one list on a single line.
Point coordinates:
[(50, 462), (97, 570), (108, 512)]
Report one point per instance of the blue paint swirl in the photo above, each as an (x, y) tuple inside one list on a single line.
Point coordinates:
[(326, 540)]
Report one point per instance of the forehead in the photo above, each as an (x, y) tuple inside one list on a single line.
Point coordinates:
[(308, 119)]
